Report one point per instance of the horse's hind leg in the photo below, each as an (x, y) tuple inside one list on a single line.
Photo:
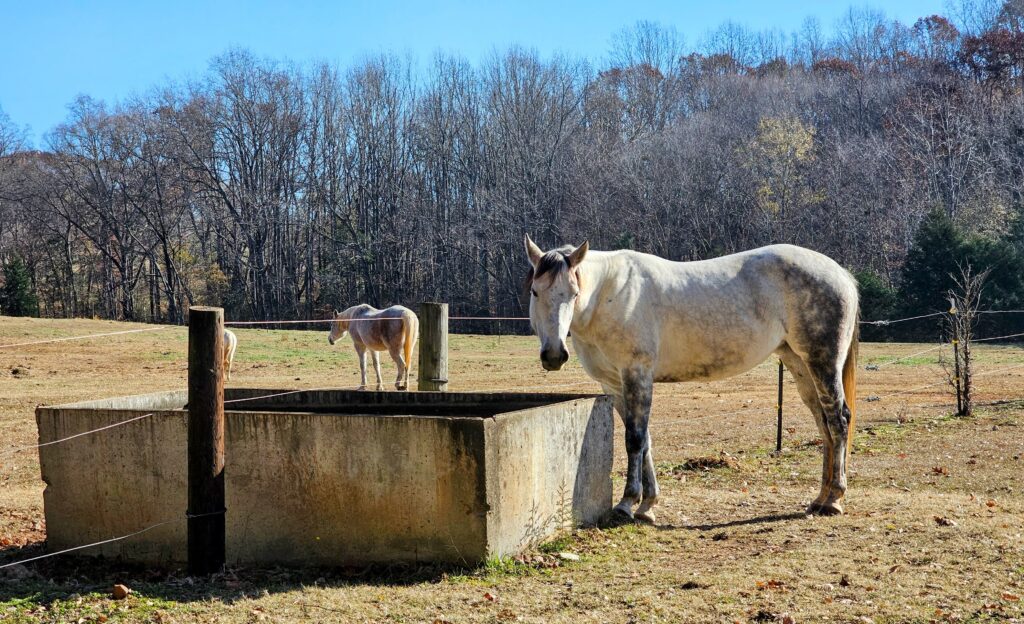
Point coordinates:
[(809, 395), (402, 380), (836, 414)]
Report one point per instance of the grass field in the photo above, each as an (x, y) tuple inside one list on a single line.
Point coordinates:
[(934, 529)]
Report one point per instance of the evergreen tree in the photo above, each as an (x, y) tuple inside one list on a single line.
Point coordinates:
[(17, 298)]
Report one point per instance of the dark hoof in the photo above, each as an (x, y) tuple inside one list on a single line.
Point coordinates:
[(615, 517), (833, 508)]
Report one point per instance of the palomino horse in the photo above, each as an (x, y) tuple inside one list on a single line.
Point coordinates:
[(230, 344), (637, 319), (394, 330)]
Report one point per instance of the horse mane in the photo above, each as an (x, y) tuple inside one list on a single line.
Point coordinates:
[(554, 261)]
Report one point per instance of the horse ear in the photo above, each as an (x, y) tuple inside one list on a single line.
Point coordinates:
[(532, 251), (576, 257)]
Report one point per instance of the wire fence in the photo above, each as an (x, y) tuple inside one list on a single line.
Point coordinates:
[(588, 382)]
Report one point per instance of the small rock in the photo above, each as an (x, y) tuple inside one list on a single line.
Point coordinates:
[(568, 556), (120, 592)]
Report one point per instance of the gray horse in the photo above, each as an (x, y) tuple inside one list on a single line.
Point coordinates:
[(637, 319)]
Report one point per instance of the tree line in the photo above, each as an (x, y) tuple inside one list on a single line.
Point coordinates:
[(281, 190)]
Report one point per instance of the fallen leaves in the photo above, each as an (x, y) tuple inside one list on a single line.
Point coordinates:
[(772, 584), (940, 471), (1011, 597), (944, 521)]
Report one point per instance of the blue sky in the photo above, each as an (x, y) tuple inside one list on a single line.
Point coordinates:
[(52, 51)]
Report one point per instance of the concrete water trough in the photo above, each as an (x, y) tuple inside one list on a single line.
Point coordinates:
[(329, 477)]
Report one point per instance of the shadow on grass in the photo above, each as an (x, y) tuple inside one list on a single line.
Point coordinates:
[(51, 582), (767, 519)]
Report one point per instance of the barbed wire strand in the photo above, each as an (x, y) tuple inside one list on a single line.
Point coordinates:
[(108, 541), (885, 322), (117, 333), (907, 357), (78, 435)]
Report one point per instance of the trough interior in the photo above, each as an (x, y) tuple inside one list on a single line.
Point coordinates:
[(447, 404)]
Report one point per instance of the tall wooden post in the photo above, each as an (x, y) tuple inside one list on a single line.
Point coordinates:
[(433, 368), (206, 552), (778, 428)]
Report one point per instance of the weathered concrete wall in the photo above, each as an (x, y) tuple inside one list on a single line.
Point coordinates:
[(548, 469), (327, 489), (115, 482), (330, 488)]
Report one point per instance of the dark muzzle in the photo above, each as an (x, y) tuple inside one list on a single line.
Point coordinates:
[(552, 359)]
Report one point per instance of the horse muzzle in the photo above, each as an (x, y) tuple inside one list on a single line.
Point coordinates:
[(553, 360)]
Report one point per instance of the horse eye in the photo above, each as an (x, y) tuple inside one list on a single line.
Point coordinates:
[(533, 292)]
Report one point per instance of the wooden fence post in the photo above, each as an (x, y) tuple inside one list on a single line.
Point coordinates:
[(433, 368), (778, 429), (206, 551)]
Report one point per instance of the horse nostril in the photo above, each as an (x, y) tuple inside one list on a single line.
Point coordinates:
[(563, 356)]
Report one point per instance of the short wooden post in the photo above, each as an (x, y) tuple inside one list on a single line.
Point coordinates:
[(778, 429), (433, 368), (206, 552)]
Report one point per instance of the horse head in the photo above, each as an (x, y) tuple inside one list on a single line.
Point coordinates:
[(554, 288), (339, 327)]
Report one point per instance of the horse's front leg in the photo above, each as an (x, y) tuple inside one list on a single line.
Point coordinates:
[(361, 354), (637, 393), (645, 511), (375, 355)]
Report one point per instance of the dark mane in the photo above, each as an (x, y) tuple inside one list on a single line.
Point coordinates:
[(554, 261)]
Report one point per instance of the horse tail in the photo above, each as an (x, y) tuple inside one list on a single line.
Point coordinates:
[(411, 324), (231, 343), (850, 381)]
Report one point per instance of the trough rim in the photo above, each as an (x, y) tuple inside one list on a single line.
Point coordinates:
[(105, 404)]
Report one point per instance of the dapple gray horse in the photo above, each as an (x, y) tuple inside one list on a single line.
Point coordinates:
[(637, 319), (393, 329)]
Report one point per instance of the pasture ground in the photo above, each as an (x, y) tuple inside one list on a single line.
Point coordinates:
[(933, 530)]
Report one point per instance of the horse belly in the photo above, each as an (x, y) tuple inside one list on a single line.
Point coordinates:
[(709, 360)]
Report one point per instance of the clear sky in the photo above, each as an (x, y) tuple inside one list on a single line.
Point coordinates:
[(53, 50)]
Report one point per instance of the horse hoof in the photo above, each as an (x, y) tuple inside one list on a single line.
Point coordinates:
[(647, 517), (623, 511), (615, 517), (828, 508)]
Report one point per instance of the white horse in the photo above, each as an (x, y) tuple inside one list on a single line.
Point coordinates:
[(637, 319), (394, 330), (230, 344)]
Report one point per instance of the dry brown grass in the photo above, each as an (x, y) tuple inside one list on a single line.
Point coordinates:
[(934, 529)]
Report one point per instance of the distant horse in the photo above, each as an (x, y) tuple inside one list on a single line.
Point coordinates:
[(637, 319), (394, 330), (230, 344)]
